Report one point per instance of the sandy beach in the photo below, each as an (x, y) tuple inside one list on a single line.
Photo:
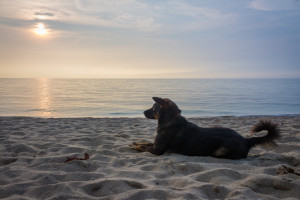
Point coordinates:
[(34, 151)]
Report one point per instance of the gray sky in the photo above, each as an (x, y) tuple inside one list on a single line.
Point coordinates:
[(149, 39)]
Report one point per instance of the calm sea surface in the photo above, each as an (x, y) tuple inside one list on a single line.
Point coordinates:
[(130, 97)]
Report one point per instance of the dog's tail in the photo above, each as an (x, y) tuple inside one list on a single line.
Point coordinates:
[(267, 140)]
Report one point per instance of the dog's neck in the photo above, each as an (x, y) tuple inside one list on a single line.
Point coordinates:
[(168, 123)]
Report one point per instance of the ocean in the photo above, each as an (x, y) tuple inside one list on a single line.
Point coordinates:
[(60, 98)]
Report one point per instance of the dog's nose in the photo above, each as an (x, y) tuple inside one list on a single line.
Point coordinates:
[(147, 113)]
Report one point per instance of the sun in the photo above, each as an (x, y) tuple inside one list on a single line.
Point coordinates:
[(40, 29)]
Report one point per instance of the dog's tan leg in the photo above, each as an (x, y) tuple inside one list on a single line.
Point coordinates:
[(138, 147), (221, 152), (148, 144)]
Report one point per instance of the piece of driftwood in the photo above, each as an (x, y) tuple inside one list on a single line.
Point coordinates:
[(86, 156), (283, 169)]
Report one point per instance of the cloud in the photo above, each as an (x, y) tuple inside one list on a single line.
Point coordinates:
[(275, 5), (130, 14), (197, 11), (137, 15), (195, 17), (44, 14)]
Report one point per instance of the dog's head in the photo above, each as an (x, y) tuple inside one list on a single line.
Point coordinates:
[(163, 108)]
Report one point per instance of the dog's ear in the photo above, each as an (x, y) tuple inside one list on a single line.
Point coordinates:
[(161, 102)]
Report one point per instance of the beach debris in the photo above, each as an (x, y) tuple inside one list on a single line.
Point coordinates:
[(286, 170), (86, 156)]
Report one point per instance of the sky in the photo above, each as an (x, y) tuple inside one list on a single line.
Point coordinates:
[(149, 39)]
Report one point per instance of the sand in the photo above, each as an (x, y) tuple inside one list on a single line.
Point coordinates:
[(34, 151)]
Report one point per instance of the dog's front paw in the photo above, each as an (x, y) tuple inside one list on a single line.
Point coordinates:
[(133, 145), (137, 147)]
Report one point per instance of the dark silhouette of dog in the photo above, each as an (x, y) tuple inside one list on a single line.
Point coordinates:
[(175, 134)]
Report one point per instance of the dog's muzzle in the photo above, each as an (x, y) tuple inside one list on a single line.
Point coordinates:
[(149, 114)]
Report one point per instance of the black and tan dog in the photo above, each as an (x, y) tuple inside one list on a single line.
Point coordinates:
[(176, 134)]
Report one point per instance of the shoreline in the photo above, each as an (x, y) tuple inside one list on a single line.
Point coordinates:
[(33, 154), (142, 117)]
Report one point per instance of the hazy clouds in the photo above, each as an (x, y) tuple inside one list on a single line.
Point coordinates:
[(139, 38)]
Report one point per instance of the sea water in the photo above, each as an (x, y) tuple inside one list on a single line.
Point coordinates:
[(130, 97)]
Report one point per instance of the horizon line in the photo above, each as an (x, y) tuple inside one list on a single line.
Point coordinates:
[(150, 78)]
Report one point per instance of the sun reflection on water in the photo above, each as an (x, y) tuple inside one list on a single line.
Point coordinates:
[(45, 98)]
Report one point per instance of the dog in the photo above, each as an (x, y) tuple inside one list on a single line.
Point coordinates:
[(175, 134)]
